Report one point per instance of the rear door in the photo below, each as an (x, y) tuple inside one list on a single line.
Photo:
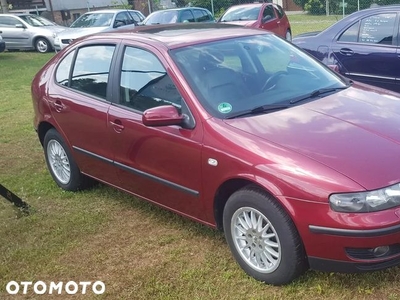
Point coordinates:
[(368, 50), (79, 103)]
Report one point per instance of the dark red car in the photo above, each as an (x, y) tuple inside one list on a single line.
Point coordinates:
[(236, 129), (267, 16)]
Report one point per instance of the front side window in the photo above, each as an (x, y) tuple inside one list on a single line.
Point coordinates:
[(242, 74), (187, 16), (90, 72), (145, 83), (268, 13)]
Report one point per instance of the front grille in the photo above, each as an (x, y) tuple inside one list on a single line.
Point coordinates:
[(66, 41)]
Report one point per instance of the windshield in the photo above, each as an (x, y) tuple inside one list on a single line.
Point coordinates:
[(36, 21), (243, 74), (162, 17), (241, 13), (93, 20)]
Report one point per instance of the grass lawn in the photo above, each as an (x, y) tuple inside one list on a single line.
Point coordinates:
[(302, 23), (138, 250)]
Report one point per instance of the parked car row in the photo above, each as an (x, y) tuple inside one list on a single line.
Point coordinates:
[(27, 31)]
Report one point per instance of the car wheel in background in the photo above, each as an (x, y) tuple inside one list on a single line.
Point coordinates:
[(42, 45), (262, 237), (61, 164), (288, 35)]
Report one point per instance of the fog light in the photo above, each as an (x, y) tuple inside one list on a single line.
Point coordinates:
[(380, 251)]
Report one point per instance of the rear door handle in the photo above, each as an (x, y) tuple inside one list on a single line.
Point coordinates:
[(58, 105), (117, 124), (346, 51)]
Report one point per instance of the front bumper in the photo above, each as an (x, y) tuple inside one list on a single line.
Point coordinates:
[(347, 242)]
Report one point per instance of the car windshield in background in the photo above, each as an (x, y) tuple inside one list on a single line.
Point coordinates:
[(255, 74), (36, 21), (163, 17), (241, 14), (93, 20)]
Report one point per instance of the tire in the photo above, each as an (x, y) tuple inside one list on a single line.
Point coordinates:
[(288, 35), (277, 259), (61, 164), (42, 45)]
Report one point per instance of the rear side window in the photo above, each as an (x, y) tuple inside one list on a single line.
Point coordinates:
[(376, 29), (63, 69), (6, 21), (90, 72), (201, 15)]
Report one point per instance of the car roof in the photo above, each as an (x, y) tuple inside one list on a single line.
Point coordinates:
[(183, 34), (251, 4), (178, 8), (108, 11)]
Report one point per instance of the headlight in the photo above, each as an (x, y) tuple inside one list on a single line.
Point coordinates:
[(377, 200)]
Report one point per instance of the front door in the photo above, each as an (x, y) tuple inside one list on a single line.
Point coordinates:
[(161, 164)]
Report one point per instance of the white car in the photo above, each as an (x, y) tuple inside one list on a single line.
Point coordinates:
[(25, 32), (97, 21)]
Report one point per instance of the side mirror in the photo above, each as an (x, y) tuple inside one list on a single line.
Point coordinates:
[(119, 24), (162, 116)]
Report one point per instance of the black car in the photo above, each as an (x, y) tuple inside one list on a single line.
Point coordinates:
[(364, 46), (179, 15)]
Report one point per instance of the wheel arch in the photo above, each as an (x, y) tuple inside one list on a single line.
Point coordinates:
[(43, 128), (230, 186)]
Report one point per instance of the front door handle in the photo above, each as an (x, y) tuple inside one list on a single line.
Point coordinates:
[(117, 125), (346, 51)]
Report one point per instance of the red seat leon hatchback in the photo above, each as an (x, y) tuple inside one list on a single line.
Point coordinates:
[(236, 129)]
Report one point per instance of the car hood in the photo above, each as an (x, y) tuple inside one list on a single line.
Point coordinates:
[(247, 23), (74, 33), (355, 132)]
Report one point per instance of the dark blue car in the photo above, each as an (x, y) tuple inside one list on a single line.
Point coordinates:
[(364, 46)]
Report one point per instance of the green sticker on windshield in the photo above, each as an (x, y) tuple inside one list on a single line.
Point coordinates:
[(224, 108)]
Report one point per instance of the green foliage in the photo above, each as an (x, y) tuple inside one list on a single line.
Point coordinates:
[(315, 7)]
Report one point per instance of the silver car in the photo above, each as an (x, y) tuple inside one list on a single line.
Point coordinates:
[(25, 32), (97, 21)]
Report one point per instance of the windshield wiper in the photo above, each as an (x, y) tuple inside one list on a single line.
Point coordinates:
[(317, 93), (258, 110)]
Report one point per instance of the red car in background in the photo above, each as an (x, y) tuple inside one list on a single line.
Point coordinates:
[(268, 16)]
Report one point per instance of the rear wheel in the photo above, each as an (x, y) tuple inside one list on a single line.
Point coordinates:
[(262, 237), (61, 164), (42, 45)]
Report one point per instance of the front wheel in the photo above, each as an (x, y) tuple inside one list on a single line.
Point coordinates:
[(262, 237), (42, 45), (61, 164)]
